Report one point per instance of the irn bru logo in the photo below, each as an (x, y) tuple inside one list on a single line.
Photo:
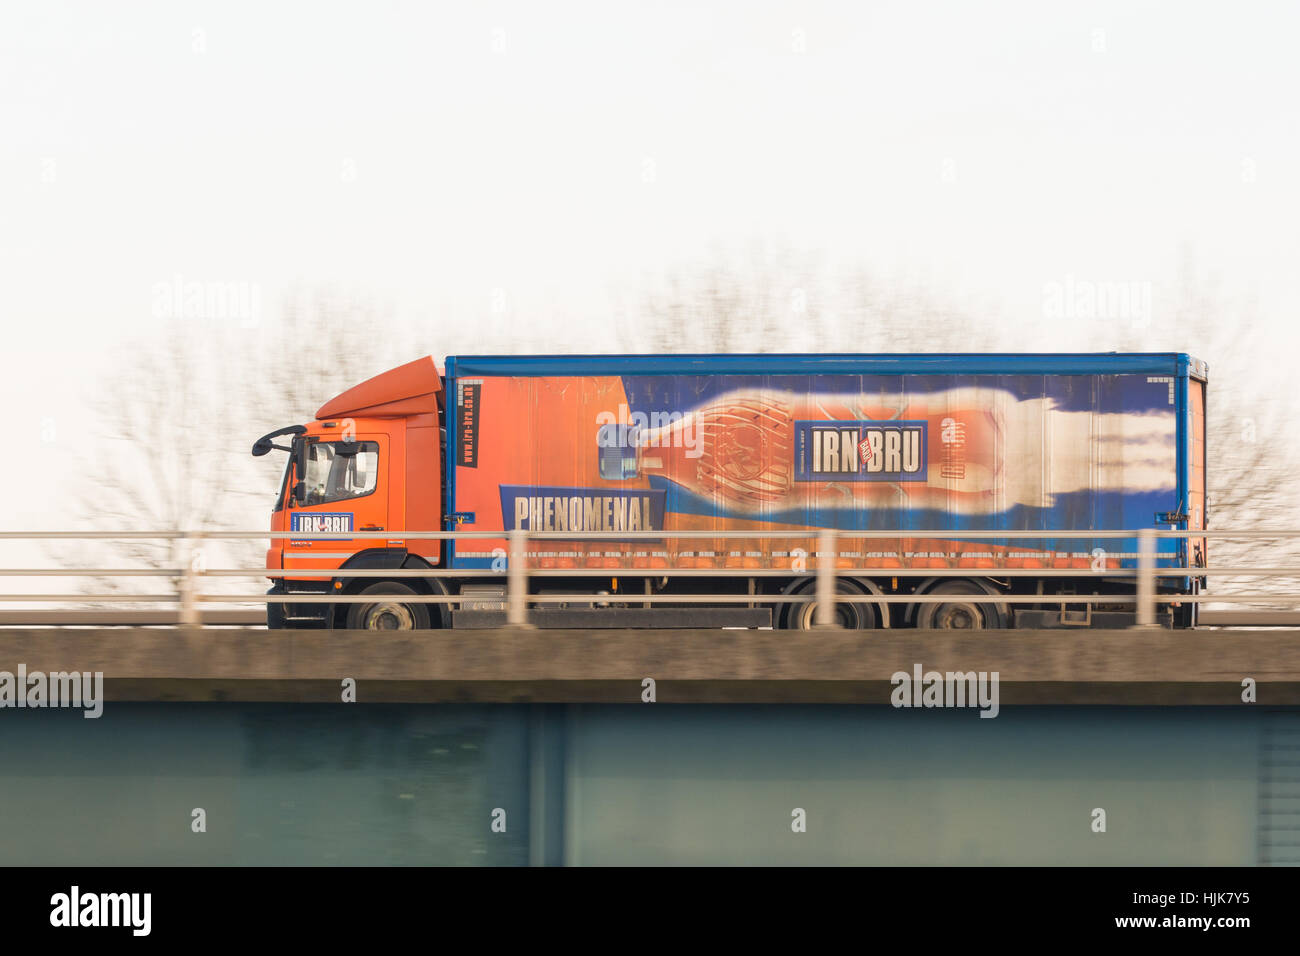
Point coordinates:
[(860, 451), (320, 522)]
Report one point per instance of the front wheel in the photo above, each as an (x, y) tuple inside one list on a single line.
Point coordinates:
[(389, 612)]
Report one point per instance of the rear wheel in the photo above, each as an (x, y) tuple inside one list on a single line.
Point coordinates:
[(854, 616), (388, 612), (963, 613)]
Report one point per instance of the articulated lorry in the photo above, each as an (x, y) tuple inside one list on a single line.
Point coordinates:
[(607, 460)]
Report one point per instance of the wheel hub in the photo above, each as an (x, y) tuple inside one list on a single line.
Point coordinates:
[(958, 617), (389, 617), (845, 616)]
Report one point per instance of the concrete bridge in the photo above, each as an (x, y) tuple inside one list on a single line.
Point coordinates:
[(1053, 667), (547, 732)]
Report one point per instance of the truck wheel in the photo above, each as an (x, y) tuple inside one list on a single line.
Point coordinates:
[(857, 616), (391, 614), (962, 614)]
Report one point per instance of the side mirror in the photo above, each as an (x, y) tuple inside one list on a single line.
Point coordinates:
[(300, 492), (264, 444)]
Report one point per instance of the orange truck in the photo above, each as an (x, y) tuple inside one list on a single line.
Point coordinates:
[(606, 460)]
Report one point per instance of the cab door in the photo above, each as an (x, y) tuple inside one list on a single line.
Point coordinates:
[(345, 490)]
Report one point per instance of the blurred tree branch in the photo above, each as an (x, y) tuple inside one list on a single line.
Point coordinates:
[(179, 413)]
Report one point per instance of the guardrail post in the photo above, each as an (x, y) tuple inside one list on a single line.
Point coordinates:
[(1146, 583), (517, 580), (826, 555), (189, 582)]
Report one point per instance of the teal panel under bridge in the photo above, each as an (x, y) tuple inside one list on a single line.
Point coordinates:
[(648, 784)]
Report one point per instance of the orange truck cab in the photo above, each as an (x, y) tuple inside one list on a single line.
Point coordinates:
[(367, 468)]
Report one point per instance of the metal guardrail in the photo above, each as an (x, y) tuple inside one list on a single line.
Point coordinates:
[(825, 564)]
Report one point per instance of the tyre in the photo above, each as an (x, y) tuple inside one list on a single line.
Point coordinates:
[(963, 613), (857, 616), (388, 612)]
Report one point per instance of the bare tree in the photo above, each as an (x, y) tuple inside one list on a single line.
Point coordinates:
[(162, 462), (326, 339), (1251, 462), (778, 300), (180, 414), (750, 302)]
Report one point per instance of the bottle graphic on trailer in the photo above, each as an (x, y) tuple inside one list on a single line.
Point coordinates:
[(965, 450)]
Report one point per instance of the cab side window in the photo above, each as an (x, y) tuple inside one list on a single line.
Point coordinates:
[(336, 472)]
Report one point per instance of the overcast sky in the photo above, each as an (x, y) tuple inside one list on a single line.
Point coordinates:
[(438, 154)]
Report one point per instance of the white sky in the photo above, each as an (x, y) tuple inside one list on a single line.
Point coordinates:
[(434, 152)]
